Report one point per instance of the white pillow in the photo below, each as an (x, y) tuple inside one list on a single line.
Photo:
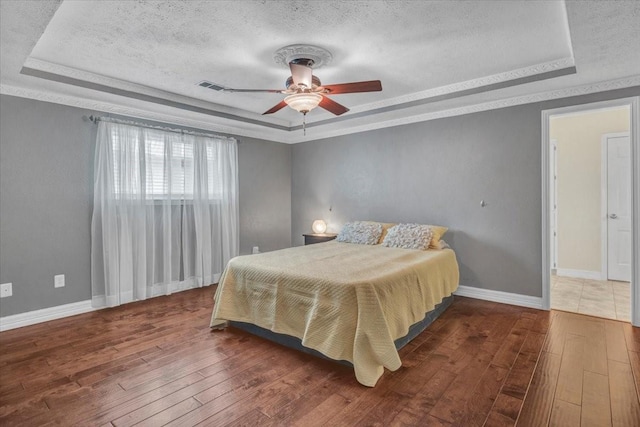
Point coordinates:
[(360, 232), (408, 236)]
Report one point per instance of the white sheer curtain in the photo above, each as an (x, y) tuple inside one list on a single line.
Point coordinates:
[(165, 213)]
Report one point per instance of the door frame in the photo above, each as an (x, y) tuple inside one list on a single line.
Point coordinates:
[(604, 197), (634, 132), (553, 199)]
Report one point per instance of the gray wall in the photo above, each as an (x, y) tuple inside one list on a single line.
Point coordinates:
[(265, 194), (437, 172), (46, 196), (46, 162), (433, 172)]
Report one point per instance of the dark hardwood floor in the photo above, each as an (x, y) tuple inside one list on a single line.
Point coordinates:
[(157, 363), (588, 375)]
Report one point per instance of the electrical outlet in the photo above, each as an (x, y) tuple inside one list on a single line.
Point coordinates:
[(256, 250), (6, 290), (58, 281)]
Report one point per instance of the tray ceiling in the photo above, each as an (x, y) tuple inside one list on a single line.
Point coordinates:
[(146, 58)]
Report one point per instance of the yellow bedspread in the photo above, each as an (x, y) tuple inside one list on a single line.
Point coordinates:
[(347, 301)]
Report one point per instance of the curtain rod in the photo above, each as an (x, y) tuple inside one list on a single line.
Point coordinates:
[(96, 119)]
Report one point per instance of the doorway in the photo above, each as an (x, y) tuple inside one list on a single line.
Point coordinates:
[(590, 209)]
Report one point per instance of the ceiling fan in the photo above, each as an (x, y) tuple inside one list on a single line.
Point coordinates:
[(306, 92)]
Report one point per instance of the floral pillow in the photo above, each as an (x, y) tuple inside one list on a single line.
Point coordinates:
[(408, 236), (360, 232)]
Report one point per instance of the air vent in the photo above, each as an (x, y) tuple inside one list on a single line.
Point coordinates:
[(210, 85)]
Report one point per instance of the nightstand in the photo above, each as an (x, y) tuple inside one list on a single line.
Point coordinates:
[(310, 239)]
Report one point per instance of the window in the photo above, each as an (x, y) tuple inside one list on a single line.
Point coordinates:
[(162, 165), (165, 212)]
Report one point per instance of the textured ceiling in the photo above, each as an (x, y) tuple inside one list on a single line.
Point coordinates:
[(145, 58)]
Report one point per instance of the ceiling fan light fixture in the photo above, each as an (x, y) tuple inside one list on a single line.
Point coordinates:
[(303, 102)]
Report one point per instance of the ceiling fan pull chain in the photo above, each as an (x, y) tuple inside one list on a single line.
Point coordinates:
[(304, 124)]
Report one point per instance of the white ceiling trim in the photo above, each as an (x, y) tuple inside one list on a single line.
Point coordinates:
[(134, 88), (485, 106), (195, 120), (98, 79), (471, 84), (198, 121)]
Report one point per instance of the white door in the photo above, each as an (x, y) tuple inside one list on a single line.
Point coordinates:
[(619, 208)]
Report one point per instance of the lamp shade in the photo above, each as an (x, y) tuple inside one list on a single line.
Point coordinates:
[(303, 102), (319, 226)]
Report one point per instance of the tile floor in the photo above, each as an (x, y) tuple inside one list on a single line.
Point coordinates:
[(607, 299)]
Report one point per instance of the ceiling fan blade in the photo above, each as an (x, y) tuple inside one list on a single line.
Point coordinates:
[(275, 108), (252, 90), (368, 86), (220, 88), (301, 74), (332, 106)]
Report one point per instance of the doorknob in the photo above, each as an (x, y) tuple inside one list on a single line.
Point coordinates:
[(613, 216)]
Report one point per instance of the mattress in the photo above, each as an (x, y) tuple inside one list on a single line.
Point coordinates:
[(349, 302)]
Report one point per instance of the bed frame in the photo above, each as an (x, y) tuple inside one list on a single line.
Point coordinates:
[(295, 343)]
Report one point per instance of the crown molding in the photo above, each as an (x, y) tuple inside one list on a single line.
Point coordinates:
[(485, 106), (176, 117), (491, 80), (89, 80), (199, 121), (53, 71)]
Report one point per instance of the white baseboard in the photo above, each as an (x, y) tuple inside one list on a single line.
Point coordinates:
[(60, 311), (44, 315), (579, 274), (499, 296), (52, 313)]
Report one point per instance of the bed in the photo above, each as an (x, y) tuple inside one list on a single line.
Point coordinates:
[(348, 302)]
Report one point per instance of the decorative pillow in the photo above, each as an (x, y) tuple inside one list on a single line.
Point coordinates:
[(408, 236), (385, 228), (361, 232), (438, 232)]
